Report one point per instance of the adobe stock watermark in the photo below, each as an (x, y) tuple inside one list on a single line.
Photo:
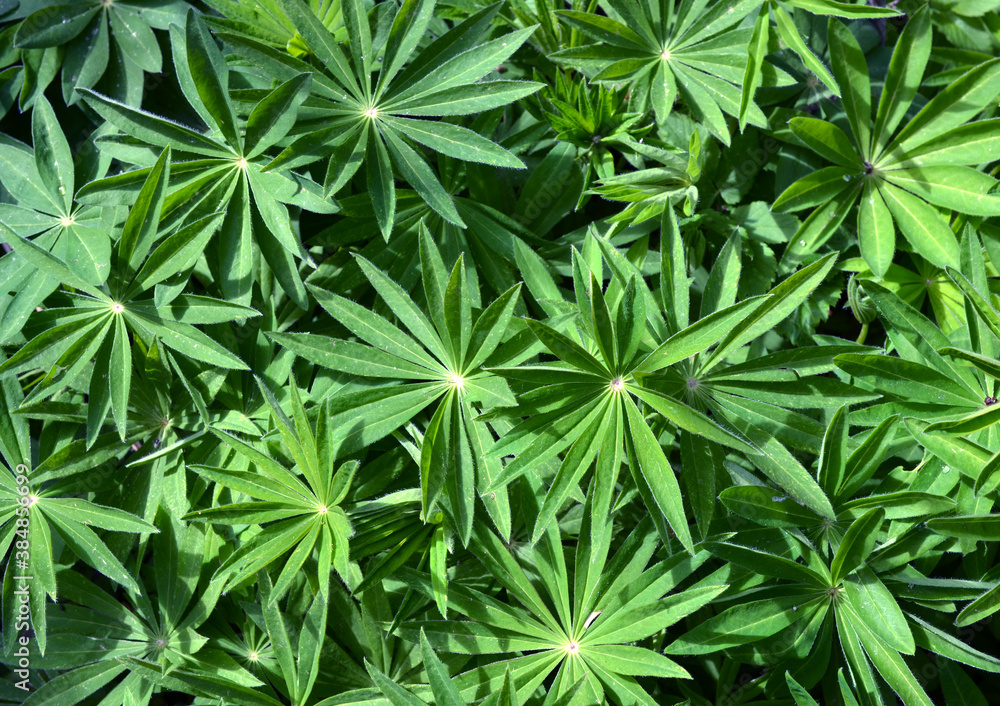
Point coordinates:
[(21, 556), (538, 202)]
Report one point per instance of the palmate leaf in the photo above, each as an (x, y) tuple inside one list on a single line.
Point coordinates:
[(97, 327), (47, 211), (440, 80), (438, 361), (864, 603), (602, 383), (72, 520), (91, 35), (701, 59), (725, 391), (624, 601), (229, 164), (299, 516), (579, 405), (952, 386), (792, 38), (879, 172), (156, 627)]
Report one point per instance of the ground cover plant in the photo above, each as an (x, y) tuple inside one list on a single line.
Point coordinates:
[(555, 352)]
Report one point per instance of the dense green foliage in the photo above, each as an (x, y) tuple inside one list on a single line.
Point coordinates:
[(558, 352)]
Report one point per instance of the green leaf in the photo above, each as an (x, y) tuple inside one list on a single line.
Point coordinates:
[(789, 34), (833, 457), (673, 273), (634, 661), (988, 478), (826, 140), (816, 188), (69, 688), (959, 689), (350, 357), (603, 29), (311, 640), (380, 185), (53, 26), (397, 695), (187, 340), (931, 638), (151, 128), (646, 619), (906, 68), (910, 381), (439, 570), (857, 545), (457, 312), (743, 623), (211, 78), (700, 335), (756, 51), (767, 564), (984, 309), (465, 100), (489, 329), (878, 610), (85, 543), (721, 288), (656, 470), (53, 158), (274, 115), (444, 689), (965, 144), (136, 39), (345, 160), (408, 28), (464, 68), (801, 696), (45, 261), (961, 189), (843, 9), (763, 506), (959, 102), (120, 375), (272, 542), (702, 102), (851, 70), (976, 527), (980, 609), (455, 141), (691, 420), (566, 349), (889, 663), (965, 456), (876, 233), (375, 330), (581, 454), (93, 515), (143, 219), (203, 683), (175, 253), (321, 41), (784, 299), (416, 171)]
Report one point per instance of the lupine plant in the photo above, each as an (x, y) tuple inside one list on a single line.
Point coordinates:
[(517, 353)]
